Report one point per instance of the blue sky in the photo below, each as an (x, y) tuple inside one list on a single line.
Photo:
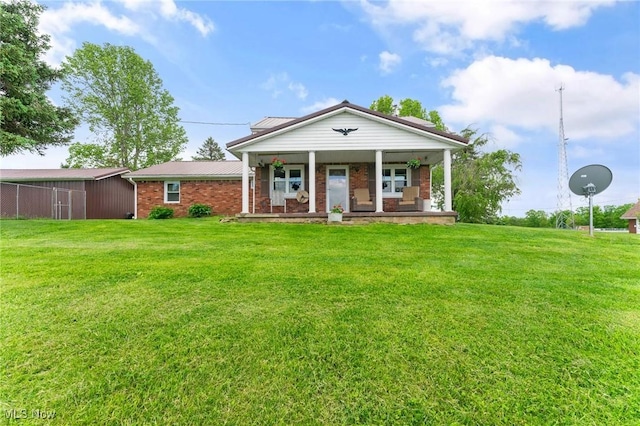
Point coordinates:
[(494, 65)]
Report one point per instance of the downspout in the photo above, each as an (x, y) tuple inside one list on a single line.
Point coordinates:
[(135, 197)]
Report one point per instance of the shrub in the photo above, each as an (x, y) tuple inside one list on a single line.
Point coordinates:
[(160, 212), (199, 210)]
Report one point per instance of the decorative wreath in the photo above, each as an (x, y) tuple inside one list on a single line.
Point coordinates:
[(302, 197)]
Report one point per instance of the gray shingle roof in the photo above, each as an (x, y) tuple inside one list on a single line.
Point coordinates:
[(31, 175), (190, 170)]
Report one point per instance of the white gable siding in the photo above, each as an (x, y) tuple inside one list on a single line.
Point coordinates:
[(372, 134)]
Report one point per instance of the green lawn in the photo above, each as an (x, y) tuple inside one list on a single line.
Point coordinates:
[(199, 322)]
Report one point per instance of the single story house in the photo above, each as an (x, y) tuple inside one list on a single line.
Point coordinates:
[(632, 216), (368, 163), (325, 158), (66, 193)]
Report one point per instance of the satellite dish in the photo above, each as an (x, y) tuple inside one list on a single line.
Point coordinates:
[(302, 196), (590, 180)]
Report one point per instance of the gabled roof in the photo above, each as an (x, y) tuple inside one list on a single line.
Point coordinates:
[(633, 212), (346, 105), (33, 175), (190, 170)]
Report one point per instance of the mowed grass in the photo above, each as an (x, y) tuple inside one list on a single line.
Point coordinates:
[(199, 322)]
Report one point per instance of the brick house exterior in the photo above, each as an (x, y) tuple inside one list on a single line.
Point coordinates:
[(330, 153), (180, 184), (323, 158)]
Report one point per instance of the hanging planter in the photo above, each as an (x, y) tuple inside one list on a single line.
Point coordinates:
[(414, 163), (278, 163)]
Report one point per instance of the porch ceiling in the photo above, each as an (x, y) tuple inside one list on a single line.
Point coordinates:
[(367, 156)]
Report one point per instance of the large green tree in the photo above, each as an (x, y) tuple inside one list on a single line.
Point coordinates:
[(209, 151), (29, 122), (121, 97), (481, 180)]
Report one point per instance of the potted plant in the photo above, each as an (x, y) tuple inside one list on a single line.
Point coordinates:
[(335, 214), (278, 163), (414, 163)]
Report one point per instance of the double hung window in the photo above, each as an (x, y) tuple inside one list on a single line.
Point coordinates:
[(289, 179), (172, 192), (394, 178)]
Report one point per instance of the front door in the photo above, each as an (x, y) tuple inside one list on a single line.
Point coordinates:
[(338, 187)]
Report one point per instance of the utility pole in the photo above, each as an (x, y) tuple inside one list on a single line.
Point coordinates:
[(564, 210)]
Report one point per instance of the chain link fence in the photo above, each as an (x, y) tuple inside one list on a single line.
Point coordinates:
[(27, 201)]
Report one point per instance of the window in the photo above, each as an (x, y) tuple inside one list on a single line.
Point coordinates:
[(289, 179), (172, 192), (394, 178)]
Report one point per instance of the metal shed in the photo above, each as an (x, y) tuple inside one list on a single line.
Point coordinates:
[(106, 194)]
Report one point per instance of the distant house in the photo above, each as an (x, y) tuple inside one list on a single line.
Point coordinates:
[(632, 216), (66, 193), (179, 184)]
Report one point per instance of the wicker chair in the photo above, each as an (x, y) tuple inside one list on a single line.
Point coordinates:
[(410, 201), (362, 201)]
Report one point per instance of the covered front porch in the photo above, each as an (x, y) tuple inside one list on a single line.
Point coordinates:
[(364, 162)]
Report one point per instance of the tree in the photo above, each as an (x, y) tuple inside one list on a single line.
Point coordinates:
[(412, 108), (121, 97), (209, 151), (480, 181), (536, 219), (29, 122), (408, 108), (383, 104)]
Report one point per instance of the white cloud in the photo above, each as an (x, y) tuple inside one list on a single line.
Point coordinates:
[(452, 26), (170, 11), (277, 83), (300, 91), (325, 103), (503, 137), (389, 61), (59, 22), (522, 93)]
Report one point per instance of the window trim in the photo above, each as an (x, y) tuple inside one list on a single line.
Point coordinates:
[(287, 170), (394, 167), (166, 191)]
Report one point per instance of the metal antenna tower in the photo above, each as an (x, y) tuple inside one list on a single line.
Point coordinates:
[(564, 210)]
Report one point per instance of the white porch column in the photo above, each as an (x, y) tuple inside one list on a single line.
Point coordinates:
[(245, 183), (379, 181), (312, 181), (447, 180)]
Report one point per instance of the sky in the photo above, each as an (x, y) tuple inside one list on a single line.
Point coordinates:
[(494, 65)]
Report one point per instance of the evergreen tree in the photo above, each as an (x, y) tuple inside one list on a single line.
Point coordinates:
[(29, 122), (209, 151)]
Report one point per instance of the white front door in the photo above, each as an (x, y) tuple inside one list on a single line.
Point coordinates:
[(338, 187)]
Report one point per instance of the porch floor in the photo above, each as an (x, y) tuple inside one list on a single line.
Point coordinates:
[(442, 218)]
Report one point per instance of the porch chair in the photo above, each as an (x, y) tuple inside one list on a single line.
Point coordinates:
[(278, 200), (410, 201), (362, 202)]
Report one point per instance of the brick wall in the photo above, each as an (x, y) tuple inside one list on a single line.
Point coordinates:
[(224, 196), (358, 178)]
